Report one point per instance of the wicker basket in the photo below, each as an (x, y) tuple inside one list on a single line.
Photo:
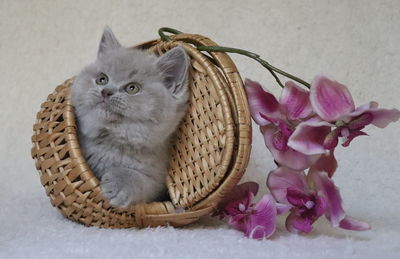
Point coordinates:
[(209, 158)]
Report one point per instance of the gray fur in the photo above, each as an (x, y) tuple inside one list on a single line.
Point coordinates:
[(126, 138)]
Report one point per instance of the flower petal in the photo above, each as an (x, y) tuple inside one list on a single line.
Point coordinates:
[(261, 101), (282, 208), (382, 117), (238, 200), (241, 189), (330, 99), (238, 193), (281, 134), (295, 101), (236, 207), (361, 121), (297, 224), (328, 190), (320, 206), (296, 197), (325, 163), (287, 157), (262, 223), (282, 178), (354, 224), (332, 139), (239, 222), (352, 136), (309, 136), (360, 110)]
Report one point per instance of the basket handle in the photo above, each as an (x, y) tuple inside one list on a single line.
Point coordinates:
[(273, 70)]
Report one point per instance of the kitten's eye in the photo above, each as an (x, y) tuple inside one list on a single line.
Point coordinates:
[(102, 79), (132, 88)]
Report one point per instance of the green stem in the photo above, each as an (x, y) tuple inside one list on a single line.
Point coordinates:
[(273, 70), (167, 29), (245, 53)]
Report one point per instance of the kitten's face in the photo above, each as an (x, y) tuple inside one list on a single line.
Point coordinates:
[(124, 83), (131, 85)]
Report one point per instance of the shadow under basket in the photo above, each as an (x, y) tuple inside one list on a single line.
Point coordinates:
[(209, 156)]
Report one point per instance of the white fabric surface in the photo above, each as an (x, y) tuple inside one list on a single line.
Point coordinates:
[(42, 43)]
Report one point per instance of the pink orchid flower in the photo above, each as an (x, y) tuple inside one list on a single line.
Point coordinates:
[(338, 117), (307, 204), (257, 221), (278, 120)]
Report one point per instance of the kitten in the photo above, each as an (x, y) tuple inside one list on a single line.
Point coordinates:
[(128, 103)]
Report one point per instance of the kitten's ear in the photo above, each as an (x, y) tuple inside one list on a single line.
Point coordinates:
[(107, 42), (174, 66)]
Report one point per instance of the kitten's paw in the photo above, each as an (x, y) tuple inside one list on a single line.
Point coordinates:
[(116, 190)]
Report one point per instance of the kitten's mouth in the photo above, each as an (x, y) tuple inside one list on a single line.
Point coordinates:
[(107, 110), (103, 106)]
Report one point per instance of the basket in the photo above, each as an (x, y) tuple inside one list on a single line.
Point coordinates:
[(209, 156)]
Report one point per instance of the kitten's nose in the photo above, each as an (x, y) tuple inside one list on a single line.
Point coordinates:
[(107, 93)]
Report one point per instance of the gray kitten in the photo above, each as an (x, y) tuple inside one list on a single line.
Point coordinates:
[(128, 104)]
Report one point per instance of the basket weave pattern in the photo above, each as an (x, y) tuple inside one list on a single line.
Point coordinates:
[(209, 156)]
